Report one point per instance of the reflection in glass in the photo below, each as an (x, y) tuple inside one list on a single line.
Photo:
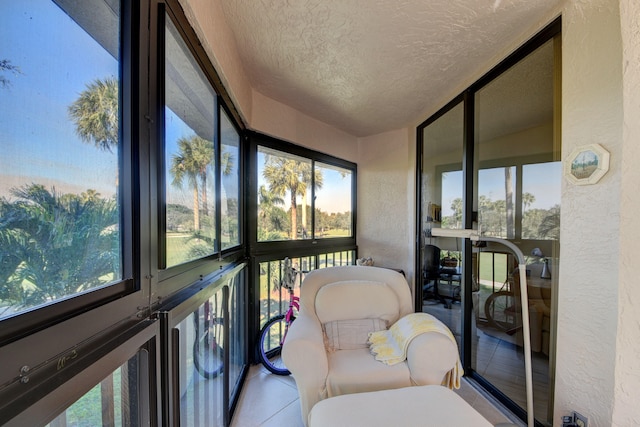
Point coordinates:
[(451, 190), (59, 130), (541, 201), (230, 180), (237, 336), (442, 207), (201, 351), (112, 402), (189, 154), (518, 191), (496, 209), (282, 179), (332, 201)]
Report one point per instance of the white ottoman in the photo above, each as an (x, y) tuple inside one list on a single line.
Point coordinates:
[(430, 405)]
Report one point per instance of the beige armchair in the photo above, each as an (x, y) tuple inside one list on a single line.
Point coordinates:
[(326, 348)]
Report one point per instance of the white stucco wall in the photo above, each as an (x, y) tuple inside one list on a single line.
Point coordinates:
[(591, 215), (627, 373), (281, 121), (386, 193)]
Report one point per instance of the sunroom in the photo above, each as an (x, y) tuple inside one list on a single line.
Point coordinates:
[(171, 211)]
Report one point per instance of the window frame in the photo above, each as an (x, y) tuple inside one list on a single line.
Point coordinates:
[(224, 109), (166, 281), (84, 367), (516, 162), (28, 322), (468, 98), (72, 335), (298, 247)]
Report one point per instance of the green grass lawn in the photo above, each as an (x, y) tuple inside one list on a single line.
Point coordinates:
[(335, 233), (177, 248), (493, 267)]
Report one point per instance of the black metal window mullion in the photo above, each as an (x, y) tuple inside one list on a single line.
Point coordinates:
[(469, 217), (217, 147)]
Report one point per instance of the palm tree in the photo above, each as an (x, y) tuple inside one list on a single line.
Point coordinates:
[(55, 245), (456, 207), (96, 114), (550, 225), (508, 190), (226, 162), (267, 201), (527, 200), (284, 175), (192, 162), (318, 181)]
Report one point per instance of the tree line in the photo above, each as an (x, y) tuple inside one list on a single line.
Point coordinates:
[(54, 244), (494, 219), (293, 178)]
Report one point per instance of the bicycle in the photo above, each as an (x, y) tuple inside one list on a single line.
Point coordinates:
[(274, 332), (208, 353)]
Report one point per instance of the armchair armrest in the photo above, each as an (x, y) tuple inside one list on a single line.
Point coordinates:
[(430, 356), (305, 356)]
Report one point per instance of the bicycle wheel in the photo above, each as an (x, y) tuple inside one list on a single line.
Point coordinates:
[(502, 310), (270, 344), (208, 354)]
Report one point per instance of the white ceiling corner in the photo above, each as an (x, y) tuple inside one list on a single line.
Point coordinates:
[(365, 66)]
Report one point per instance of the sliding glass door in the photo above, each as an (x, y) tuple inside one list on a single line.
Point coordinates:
[(490, 160), (442, 201)]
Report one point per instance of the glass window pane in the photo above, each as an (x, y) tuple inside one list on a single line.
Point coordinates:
[(442, 207), (541, 201), (113, 402), (496, 208), (189, 154), (333, 201), (284, 180), (274, 299), (442, 183), (450, 213), (229, 166), (201, 365), (237, 327), (59, 129), (518, 186)]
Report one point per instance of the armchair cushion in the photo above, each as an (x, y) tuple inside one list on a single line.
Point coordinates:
[(351, 334), (356, 371), (357, 299)]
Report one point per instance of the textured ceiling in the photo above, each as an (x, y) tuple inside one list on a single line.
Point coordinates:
[(368, 66)]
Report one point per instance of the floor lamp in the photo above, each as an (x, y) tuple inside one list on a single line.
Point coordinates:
[(474, 236)]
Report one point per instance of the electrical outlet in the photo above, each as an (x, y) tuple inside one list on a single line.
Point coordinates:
[(567, 421), (579, 420)]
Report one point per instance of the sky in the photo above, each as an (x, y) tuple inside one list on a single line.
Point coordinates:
[(333, 197), (175, 129), (38, 139), (56, 60), (541, 179)]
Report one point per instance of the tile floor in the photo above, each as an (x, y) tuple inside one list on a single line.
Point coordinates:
[(500, 361), (272, 401)]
